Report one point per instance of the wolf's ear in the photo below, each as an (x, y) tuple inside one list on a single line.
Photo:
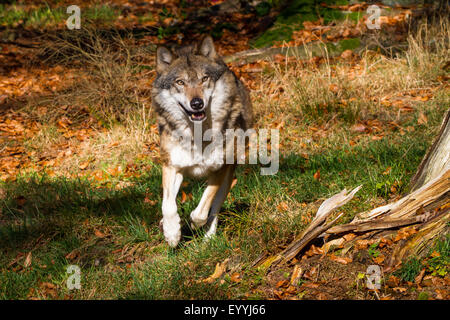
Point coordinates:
[(163, 59), (207, 48)]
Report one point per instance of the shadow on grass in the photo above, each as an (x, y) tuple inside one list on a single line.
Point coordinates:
[(36, 205), (54, 217)]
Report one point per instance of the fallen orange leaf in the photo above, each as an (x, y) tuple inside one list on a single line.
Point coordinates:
[(235, 277), (27, 261), (379, 259), (317, 175), (99, 234), (218, 271), (282, 206), (183, 197), (423, 119), (342, 260), (83, 165)]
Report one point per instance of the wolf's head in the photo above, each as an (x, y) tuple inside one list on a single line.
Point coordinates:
[(186, 79)]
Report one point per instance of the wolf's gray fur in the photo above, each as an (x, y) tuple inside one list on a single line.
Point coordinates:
[(195, 88)]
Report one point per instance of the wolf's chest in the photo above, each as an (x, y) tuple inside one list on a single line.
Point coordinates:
[(194, 161)]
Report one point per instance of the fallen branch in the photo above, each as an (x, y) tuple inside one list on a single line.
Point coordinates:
[(379, 224), (427, 205), (408, 205), (306, 51), (315, 228)]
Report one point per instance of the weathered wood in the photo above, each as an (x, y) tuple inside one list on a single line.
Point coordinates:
[(408, 205), (437, 158), (328, 206), (428, 205), (420, 243), (401, 213), (295, 247), (430, 192), (379, 224), (314, 229)]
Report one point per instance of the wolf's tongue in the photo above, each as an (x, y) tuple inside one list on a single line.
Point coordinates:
[(198, 116)]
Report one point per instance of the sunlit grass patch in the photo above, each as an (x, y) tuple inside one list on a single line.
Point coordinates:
[(46, 16), (183, 274)]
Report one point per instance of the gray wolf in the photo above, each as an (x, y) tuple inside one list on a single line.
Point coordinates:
[(194, 89)]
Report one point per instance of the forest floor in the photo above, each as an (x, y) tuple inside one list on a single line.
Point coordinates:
[(80, 176)]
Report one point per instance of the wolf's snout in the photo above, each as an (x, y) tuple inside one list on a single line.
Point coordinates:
[(196, 104)]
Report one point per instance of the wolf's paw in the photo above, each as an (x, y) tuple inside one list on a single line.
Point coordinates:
[(197, 221), (208, 236), (173, 241), (172, 231)]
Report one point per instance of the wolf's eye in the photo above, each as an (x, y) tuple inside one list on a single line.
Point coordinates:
[(205, 78), (180, 82)]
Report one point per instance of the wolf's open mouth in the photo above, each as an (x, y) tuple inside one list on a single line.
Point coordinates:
[(195, 116)]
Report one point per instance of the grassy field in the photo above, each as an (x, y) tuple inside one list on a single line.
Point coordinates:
[(367, 119)]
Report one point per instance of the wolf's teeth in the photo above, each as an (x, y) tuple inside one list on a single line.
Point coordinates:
[(198, 116)]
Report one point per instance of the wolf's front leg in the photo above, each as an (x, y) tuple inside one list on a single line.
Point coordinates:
[(212, 199), (218, 201), (171, 220)]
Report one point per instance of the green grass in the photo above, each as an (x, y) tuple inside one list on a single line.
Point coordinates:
[(53, 217), (436, 264), (179, 275), (44, 16), (439, 265), (410, 269)]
